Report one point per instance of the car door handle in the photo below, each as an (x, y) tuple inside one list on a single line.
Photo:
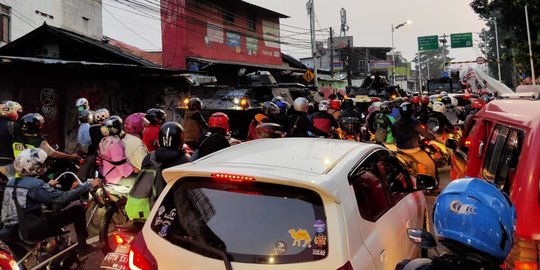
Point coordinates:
[(383, 255)]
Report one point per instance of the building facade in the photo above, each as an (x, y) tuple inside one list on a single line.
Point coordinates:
[(19, 17), (220, 30)]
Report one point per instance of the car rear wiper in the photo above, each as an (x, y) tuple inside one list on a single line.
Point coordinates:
[(224, 256)]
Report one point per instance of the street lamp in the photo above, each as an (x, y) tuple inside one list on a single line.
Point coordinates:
[(393, 53)]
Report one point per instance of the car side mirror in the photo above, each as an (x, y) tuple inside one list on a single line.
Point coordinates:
[(451, 144), (425, 182), (421, 238)]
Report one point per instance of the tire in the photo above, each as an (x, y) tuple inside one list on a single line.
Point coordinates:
[(114, 216)]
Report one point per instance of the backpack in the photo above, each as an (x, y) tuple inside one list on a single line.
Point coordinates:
[(144, 192), (381, 123)]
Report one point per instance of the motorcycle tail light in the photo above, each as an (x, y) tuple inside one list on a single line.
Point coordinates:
[(524, 255), (140, 257)]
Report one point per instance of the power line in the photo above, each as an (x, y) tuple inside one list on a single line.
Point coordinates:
[(130, 28)]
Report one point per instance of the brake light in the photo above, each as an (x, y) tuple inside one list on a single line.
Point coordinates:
[(347, 266), (119, 239), (524, 255), (233, 177), (467, 142), (140, 257)]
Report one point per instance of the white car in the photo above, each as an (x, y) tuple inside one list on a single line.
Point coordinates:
[(293, 203)]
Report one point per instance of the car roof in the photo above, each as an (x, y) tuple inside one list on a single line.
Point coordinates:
[(520, 111), (303, 154)]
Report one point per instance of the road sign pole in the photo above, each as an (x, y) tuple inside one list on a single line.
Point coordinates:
[(497, 44)]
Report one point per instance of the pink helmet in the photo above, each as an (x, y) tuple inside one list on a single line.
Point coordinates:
[(134, 123)]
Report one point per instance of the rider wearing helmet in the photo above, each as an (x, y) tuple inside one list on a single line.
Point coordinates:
[(476, 105), (82, 104), (31, 125), (407, 131), (194, 123), (31, 194), (350, 119), (475, 222), (383, 124), (299, 124), (131, 137), (437, 119), (280, 118), (84, 140), (114, 165), (373, 110), (153, 119), (9, 129), (170, 151), (216, 138), (268, 110), (323, 122)]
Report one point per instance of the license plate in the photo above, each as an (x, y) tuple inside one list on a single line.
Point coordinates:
[(116, 261)]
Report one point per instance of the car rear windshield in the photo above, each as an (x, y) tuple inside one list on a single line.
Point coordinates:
[(251, 222)]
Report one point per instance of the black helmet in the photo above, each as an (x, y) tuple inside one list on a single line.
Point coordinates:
[(155, 116), (386, 107), (86, 116), (269, 108), (194, 104), (32, 123), (347, 103), (171, 135), (269, 130), (114, 125), (406, 110), (446, 100)]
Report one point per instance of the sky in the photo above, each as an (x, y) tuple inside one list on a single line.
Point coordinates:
[(369, 23)]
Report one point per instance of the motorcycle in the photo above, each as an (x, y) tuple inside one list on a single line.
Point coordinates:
[(437, 151), (350, 129), (123, 236)]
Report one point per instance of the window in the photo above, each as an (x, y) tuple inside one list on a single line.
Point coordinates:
[(4, 23), (368, 189), (250, 221), (502, 154), (252, 23), (465, 143), (228, 17), (394, 176)]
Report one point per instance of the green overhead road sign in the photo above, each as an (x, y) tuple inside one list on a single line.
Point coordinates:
[(427, 43), (461, 40)]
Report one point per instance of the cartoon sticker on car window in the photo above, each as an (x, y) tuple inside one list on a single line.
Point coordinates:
[(280, 248), (299, 236)]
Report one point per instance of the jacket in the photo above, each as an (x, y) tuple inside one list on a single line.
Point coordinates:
[(194, 125), (406, 133), (114, 164), (323, 123), (31, 193), (299, 125), (168, 158), (150, 137)]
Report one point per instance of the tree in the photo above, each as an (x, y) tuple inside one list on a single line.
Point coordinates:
[(512, 30)]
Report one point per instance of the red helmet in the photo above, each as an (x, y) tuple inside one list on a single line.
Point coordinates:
[(415, 100), (467, 96), (375, 99), (477, 103), (424, 100), (219, 120), (335, 104), (134, 123)]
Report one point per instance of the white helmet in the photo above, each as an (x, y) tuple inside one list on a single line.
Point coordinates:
[(301, 104), (31, 162), (438, 107), (454, 102), (324, 105), (82, 104), (444, 93), (100, 115), (377, 105)]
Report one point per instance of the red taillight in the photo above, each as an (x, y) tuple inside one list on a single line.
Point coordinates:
[(233, 177), (347, 266), (467, 142), (140, 257), (119, 239), (524, 255)]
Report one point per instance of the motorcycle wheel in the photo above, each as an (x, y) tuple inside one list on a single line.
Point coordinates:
[(114, 216)]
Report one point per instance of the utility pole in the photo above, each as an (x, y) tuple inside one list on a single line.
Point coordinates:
[(530, 47), (367, 60), (331, 51), (497, 44), (344, 27), (311, 10), (349, 53)]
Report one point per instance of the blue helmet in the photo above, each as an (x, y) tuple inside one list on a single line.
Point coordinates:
[(283, 106), (472, 216)]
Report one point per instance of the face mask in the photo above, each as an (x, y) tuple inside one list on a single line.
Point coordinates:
[(80, 108)]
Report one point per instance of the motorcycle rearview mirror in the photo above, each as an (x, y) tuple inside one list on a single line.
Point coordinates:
[(451, 144), (425, 182), (421, 238)]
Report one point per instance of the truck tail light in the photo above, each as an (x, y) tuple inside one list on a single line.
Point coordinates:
[(525, 255), (140, 257), (346, 266)]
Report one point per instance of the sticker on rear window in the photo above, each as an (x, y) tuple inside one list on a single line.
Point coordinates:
[(320, 240), (319, 226), (164, 228), (299, 236), (280, 248)]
